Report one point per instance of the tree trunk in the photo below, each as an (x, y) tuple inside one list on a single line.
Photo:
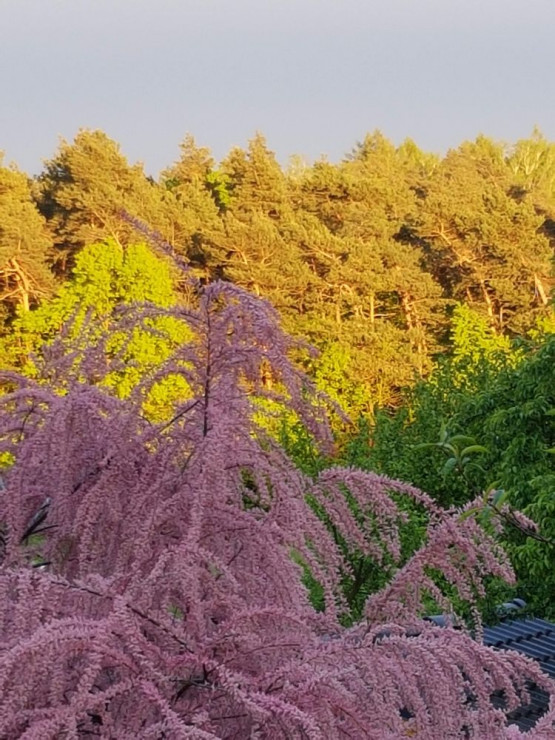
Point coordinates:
[(489, 303), (23, 284), (413, 322), (540, 291)]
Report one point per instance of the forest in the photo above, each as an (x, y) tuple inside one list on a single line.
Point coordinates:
[(247, 405)]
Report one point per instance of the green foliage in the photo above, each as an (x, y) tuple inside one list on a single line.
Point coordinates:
[(300, 447), (89, 192), (497, 432), (519, 429), (474, 343), (219, 185), (366, 575), (332, 373), (485, 243), (532, 162), (415, 443), (107, 277), (460, 450), (84, 189), (384, 261)]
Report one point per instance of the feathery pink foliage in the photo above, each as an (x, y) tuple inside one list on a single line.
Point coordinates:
[(168, 603)]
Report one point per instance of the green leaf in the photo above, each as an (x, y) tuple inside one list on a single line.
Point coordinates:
[(485, 515), (175, 611), (449, 465), (426, 445), (469, 512), (473, 448), (445, 446), (462, 439), (443, 433), (490, 487)]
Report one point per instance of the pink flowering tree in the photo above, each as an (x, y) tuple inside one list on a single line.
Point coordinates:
[(151, 576)]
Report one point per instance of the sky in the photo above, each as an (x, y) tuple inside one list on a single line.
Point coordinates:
[(314, 76)]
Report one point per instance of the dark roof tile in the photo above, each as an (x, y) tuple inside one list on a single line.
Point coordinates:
[(536, 639)]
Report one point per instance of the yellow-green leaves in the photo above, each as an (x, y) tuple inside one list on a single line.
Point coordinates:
[(106, 279)]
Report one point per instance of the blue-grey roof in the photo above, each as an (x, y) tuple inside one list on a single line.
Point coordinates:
[(536, 639)]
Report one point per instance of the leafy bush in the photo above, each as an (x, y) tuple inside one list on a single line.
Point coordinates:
[(498, 430)]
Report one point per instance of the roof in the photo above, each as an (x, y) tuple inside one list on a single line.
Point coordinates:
[(532, 637), (536, 639)]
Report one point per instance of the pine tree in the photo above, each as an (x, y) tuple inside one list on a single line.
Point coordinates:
[(256, 181), (383, 310), (25, 245), (197, 192), (484, 243), (89, 193)]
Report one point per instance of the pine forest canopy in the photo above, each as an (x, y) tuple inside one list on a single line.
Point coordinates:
[(365, 258)]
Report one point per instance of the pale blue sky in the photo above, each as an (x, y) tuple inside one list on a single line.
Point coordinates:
[(312, 75)]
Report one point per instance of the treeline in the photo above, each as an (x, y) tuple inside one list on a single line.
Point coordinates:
[(366, 258)]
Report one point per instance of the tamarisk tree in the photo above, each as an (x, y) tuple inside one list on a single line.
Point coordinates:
[(151, 576)]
